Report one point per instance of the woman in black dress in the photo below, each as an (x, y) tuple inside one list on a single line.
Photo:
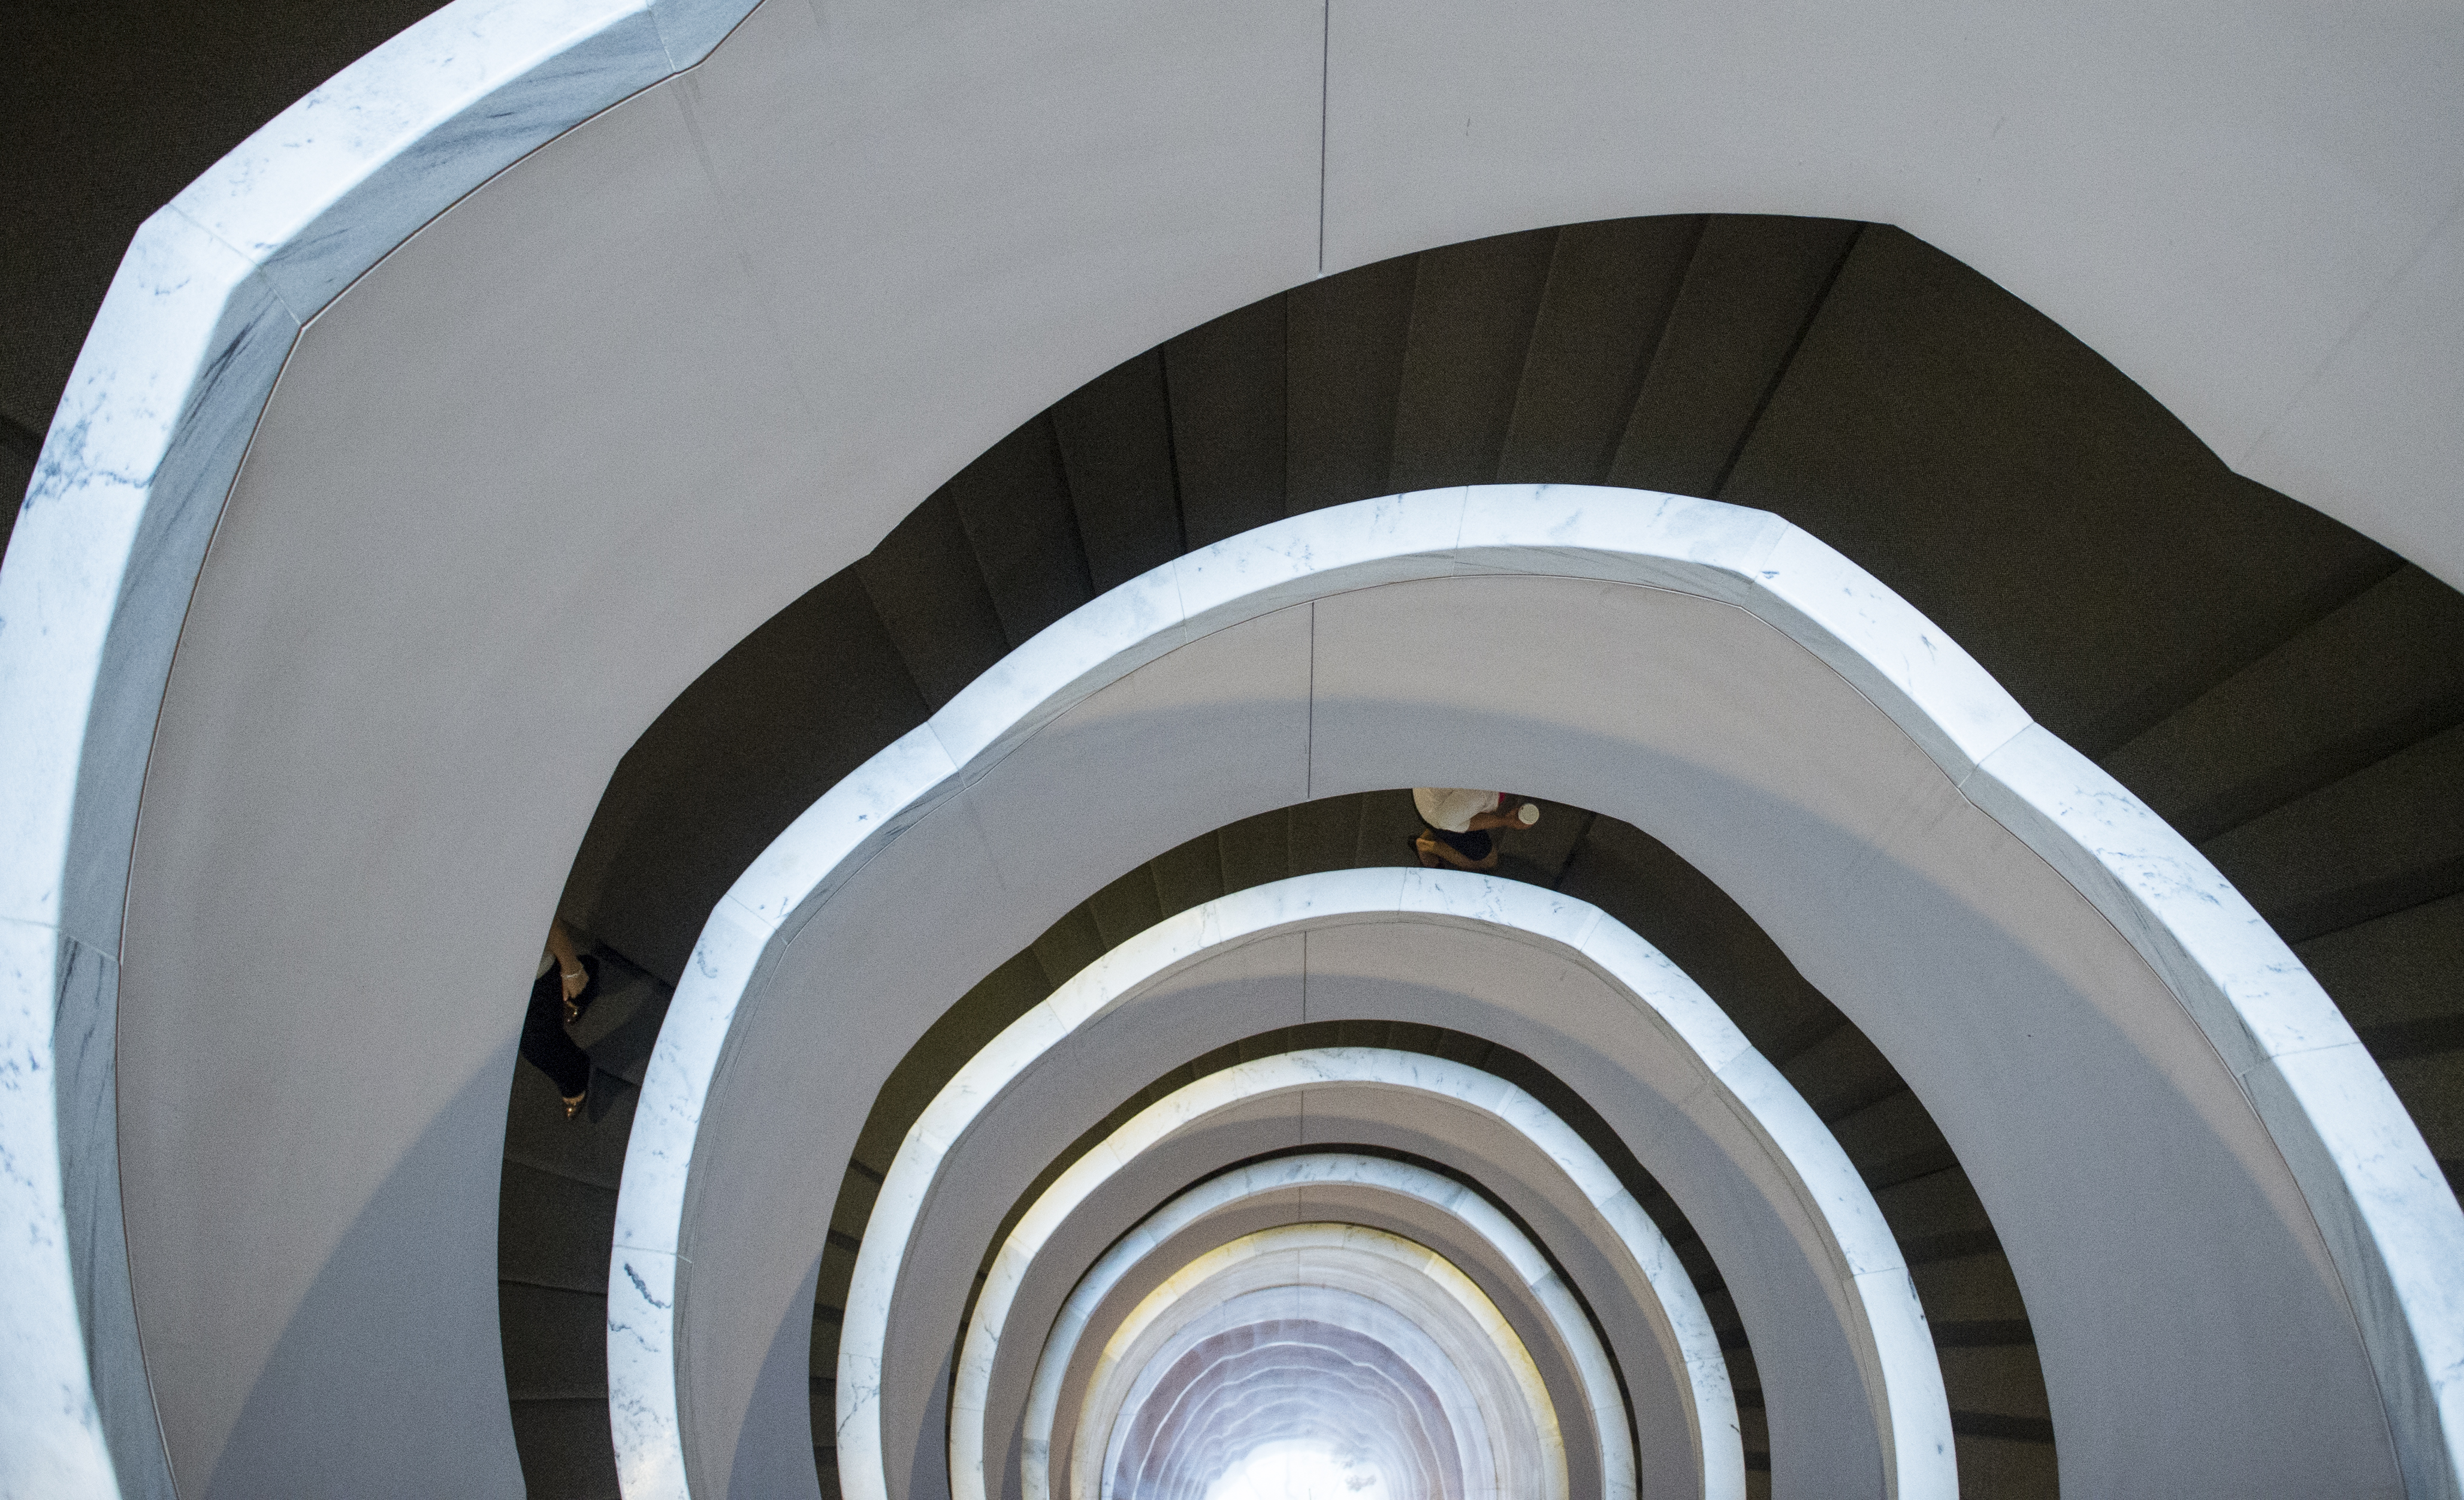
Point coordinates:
[(565, 988)]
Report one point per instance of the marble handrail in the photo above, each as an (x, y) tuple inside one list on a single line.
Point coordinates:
[(107, 545)]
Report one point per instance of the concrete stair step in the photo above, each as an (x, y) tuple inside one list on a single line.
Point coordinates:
[(553, 1231), (1344, 338), (590, 1149), (932, 601), (1751, 287), (796, 706), (2380, 673), (1226, 379), (2387, 837), (2005, 1468), (567, 1450), (1611, 288), (1114, 435), (1021, 531), (1473, 308), (556, 1342)]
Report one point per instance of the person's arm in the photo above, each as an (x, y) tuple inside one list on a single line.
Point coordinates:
[(568, 963), (1500, 819)]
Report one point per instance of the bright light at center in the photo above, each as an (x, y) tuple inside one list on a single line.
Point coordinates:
[(1299, 1471)]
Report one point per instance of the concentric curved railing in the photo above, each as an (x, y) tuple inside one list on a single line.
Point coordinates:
[(1798, 732)]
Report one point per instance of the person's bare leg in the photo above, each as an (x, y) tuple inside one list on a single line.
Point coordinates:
[(1433, 850)]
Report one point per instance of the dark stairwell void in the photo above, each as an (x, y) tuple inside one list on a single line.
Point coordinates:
[(2285, 689)]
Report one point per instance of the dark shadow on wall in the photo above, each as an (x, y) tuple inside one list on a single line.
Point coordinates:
[(305, 1428)]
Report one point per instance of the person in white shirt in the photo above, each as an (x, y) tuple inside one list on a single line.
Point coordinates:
[(1460, 825)]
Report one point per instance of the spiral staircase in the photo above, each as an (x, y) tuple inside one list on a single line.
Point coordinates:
[(2286, 692)]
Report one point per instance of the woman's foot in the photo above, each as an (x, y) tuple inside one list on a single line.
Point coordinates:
[(1426, 848), (573, 1106), (577, 1000)]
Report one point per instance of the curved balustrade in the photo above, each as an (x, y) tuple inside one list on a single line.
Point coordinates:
[(2009, 925), (1404, 1126), (1415, 1315), (1851, 1375), (1282, 1179), (2320, 362)]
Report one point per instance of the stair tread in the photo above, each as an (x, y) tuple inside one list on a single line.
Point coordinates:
[(589, 1149), (1609, 289), (1125, 907), (1473, 306), (1115, 439), (1021, 530), (1978, 1291), (553, 1231), (1676, 909), (1322, 835), (556, 1342), (1344, 339), (1998, 473), (1226, 384), (1999, 1380), (2005, 1467), (1255, 850), (2378, 672), (567, 1450), (1750, 287), (2395, 969), (791, 709), (2431, 1088), (932, 601), (2387, 837), (1388, 824)]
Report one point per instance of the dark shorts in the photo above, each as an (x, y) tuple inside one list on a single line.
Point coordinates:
[(1473, 846)]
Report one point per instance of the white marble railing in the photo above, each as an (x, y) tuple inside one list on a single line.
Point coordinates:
[(1889, 888), (1868, 1270), (2319, 362), (105, 552)]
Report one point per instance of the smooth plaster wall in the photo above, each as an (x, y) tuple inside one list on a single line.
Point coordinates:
[(2253, 212)]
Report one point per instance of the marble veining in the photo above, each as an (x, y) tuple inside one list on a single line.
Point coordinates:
[(50, 1432), (185, 352), (110, 536)]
